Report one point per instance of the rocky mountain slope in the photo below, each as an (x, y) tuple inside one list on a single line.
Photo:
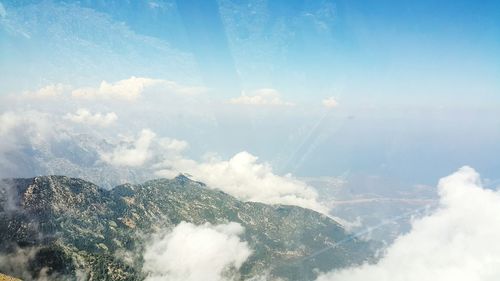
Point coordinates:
[(68, 228)]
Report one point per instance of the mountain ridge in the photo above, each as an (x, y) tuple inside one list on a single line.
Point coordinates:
[(81, 228)]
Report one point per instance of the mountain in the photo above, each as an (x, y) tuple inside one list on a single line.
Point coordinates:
[(68, 228)]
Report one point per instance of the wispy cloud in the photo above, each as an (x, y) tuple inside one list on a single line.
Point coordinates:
[(261, 97)]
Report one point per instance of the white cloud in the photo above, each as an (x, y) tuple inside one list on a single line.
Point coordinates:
[(84, 116), (261, 97), (457, 242), (34, 124), (8, 121), (245, 178), (132, 88), (172, 145), (330, 102), (127, 89), (131, 154), (23, 129), (147, 149), (196, 253), (47, 92)]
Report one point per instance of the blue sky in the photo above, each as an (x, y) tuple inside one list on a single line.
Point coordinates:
[(394, 51), (414, 79)]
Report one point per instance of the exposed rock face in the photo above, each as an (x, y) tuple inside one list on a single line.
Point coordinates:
[(66, 227)]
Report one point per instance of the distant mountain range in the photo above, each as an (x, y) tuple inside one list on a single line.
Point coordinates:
[(73, 155), (71, 229)]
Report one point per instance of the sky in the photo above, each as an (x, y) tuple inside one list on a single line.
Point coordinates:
[(406, 90)]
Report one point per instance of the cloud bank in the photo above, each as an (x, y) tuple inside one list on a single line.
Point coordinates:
[(457, 242), (140, 157), (241, 176), (196, 253), (247, 179), (129, 89)]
